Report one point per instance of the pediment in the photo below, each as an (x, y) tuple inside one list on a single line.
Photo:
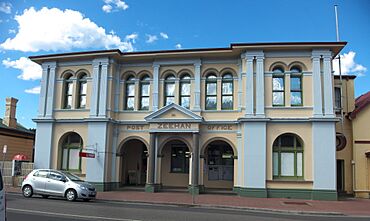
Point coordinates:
[(173, 113)]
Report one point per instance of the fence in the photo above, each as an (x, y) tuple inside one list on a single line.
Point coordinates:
[(15, 181)]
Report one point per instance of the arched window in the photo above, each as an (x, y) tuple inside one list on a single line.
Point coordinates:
[(296, 86), (68, 92), (278, 87), (211, 92), (185, 91), (130, 93), (227, 92), (71, 148), (82, 85), (144, 92), (169, 90), (288, 156)]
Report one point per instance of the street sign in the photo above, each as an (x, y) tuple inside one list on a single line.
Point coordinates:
[(87, 155)]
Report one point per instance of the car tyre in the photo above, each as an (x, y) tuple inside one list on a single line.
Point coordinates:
[(45, 196), (27, 191), (86, 200), (71, 195)]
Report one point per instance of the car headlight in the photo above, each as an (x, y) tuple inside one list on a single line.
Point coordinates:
[(82, 187)]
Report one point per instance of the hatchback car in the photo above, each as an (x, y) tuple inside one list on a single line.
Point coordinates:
[(47, 183)]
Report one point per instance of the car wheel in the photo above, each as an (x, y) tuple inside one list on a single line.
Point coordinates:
[(45, 196), (86, 200), (71, 195), (27, 191)]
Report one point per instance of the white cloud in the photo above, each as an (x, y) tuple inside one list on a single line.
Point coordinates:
[(6, 7), (132, 37), (54, 29), (151, 38), (348, 65), (30, 70), (164, 35), (34, 90), (114, 5), (178, 46)]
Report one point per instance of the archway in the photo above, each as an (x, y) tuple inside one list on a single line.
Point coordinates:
[(175, 164), (218, 165), (71, 145), (133, 162)]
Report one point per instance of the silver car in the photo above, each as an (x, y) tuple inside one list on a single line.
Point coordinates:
[(46, 182)]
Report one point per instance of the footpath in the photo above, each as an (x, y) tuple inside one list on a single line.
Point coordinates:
[(344, 206)]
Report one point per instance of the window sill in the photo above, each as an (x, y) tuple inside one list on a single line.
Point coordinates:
[(289, 180), (67, 110), (216, 111)]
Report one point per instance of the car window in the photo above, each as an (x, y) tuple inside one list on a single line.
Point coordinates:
[(56, 176), (41, 173), (1, 181)]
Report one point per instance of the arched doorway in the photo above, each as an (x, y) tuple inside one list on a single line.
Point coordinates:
[(71, 145), (175, 160), (218, 165), (133, 162)]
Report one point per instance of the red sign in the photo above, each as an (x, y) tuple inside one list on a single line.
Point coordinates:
[(87, 155)]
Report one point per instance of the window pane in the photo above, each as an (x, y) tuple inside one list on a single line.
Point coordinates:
[(74, 159), (211, 103), (69, 102), (227, 102), (278, 98), (69, 87), (299, 164), (185, 102), (145, 103), (287, 164), (83, 88), (278, 83), (145, 89), (287, 141), (211, 89), (130, 89), (276, 163), (337, 98), (227, 88), (65, 158), (295, 83), (169, 100), (170, 89), (296, 98), (83, 101), (130, 103), (185, 89)]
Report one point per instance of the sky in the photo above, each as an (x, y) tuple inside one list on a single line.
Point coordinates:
[(37, 27)]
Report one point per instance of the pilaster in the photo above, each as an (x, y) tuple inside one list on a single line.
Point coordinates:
[(249, 92), (240, 86), (197, 77), (260, 86), (150, 185), (328, 87), (43, 92), (155, 87), (94, 100), (194, 182), (103, 95), (317, 93)]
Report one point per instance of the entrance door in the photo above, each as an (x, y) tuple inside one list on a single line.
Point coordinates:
[(220, 163), (340, 175)]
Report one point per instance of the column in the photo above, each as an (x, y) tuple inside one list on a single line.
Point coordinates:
[(197, 77), (155, 87), (249, 92), (194, 187), (260, 87), (328, 87), (150, 185), (240, 174), (94, 101), (240, 85), (44, 89), (317, 95), (103, 95), (50, 90), (117, 88)]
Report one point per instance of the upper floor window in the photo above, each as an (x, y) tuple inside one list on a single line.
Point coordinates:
[(338, 102), (278, 87), (144, 92), (130, 93), (68, 92), (288, 156), (169, 90), (185, 91), (82, 84), (296, 86), (211, 92), (227, 92)]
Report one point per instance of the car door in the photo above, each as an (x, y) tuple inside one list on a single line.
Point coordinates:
[(55, 184), (39, 180)]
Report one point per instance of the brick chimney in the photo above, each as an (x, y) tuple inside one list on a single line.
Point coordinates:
[(10, 111)]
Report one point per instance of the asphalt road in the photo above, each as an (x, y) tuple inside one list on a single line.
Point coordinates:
[(54, 209)]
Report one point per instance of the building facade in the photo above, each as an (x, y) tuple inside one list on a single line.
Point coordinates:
[(257, 119)]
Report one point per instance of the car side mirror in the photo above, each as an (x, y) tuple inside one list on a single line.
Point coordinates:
[(63, 179)]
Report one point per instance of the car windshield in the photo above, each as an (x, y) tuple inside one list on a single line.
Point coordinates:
[(71, 176)]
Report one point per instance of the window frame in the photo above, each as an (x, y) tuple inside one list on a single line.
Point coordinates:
[(68, 82), (145, 80), (186, 159), (185, 79), (71, 146), (300, 90), (82, 80), (339, 101), (223, 81), (279, 75), (170, 79), (210, 79), (129, 81)]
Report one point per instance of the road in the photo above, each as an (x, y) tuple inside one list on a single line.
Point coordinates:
[(54, 209)]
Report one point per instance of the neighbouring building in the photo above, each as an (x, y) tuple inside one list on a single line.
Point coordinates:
[(19, 140), (258, 119)]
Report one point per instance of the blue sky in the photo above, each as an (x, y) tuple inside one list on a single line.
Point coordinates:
[(27, 27)]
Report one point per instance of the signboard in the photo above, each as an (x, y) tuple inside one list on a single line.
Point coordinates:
[(87, 155)]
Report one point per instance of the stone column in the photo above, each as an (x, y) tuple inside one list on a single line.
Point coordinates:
[(328, 87), (155, 98), (240, 85), (194, 186), (150, 184), (44, 89), (317, 95), (249, 92), (95, 89), (197, 77), (103, 93), (260, 87), (50, 90)]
